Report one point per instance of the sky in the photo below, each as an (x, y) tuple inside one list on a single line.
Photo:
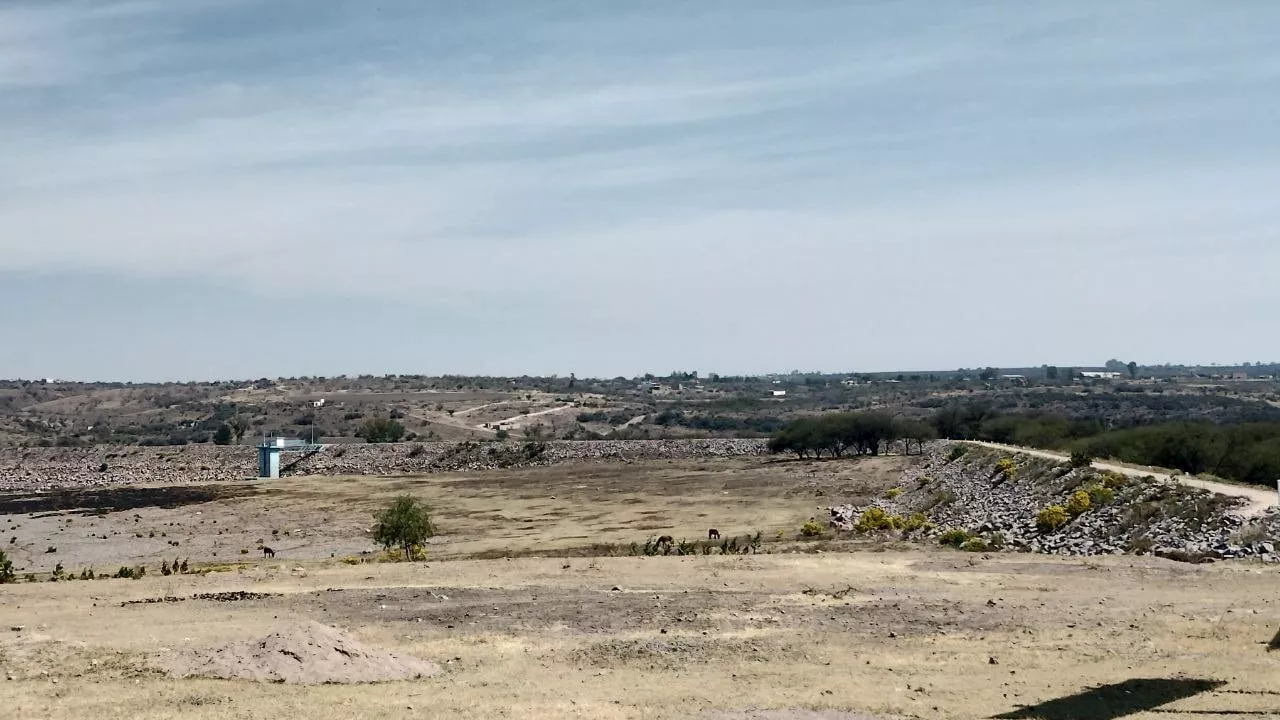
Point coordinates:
[(216, 189)]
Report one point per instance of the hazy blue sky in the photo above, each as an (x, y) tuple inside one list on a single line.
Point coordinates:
[(227, 188)]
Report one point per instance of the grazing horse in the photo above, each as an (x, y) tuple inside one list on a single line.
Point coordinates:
[(713, 534), (666, 540), (268, 552)]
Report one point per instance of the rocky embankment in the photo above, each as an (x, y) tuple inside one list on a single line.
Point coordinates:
[(32, 469), (999, 499)]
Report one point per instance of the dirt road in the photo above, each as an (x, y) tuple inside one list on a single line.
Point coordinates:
[(516, 422), (1260, 499)]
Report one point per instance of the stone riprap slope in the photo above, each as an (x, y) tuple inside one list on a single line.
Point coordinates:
[(973, 492), (29, 469)]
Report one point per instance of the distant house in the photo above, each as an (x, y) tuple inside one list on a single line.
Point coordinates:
[(779, 393), (1100, 375)]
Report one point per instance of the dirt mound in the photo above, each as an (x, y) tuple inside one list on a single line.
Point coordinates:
[(304, 654)]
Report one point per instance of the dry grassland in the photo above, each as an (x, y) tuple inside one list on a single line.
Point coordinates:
[(921, 633)]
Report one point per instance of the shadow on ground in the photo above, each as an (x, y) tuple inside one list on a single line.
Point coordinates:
[(1107, 702), (87, 502)]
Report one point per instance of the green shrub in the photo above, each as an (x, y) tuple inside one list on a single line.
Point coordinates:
[(954, 537), (974, 544), (406, 524), (1006, 467), (874, 518), (131, 573), (893, 493), (811, 528), (915, 521), (957, 452), (1113, 480), (1081, 459), (923, 480), (1078, 503), (1100, 494), (1051, 518), (6, 569)]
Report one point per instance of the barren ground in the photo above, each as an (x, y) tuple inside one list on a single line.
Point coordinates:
[(918, 633)]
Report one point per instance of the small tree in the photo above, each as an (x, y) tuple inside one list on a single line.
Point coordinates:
[(6, 569), (405, 524), (1081, 459), (239, 426), (224, 435), (381, 431)]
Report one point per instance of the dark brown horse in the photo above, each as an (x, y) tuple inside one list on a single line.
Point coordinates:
[(713, 534)]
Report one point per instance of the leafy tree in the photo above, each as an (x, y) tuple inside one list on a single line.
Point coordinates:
[(381, 430), (1133, 369), (836, 433), (405, 524), (989, 374), (224, 435), (1051, 372), (915, 431)]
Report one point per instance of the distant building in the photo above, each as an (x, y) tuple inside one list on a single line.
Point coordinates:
[(779, 393), (1100, 375)]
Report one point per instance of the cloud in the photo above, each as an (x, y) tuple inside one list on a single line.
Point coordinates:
[(799, 163)]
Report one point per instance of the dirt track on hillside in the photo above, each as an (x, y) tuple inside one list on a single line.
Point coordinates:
[(1260, 499)]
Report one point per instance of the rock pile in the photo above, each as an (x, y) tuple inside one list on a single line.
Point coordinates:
[(35, 469), (1164, 518)]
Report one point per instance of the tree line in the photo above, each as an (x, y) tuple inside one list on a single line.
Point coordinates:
[(835, 434), (1247, 451)]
